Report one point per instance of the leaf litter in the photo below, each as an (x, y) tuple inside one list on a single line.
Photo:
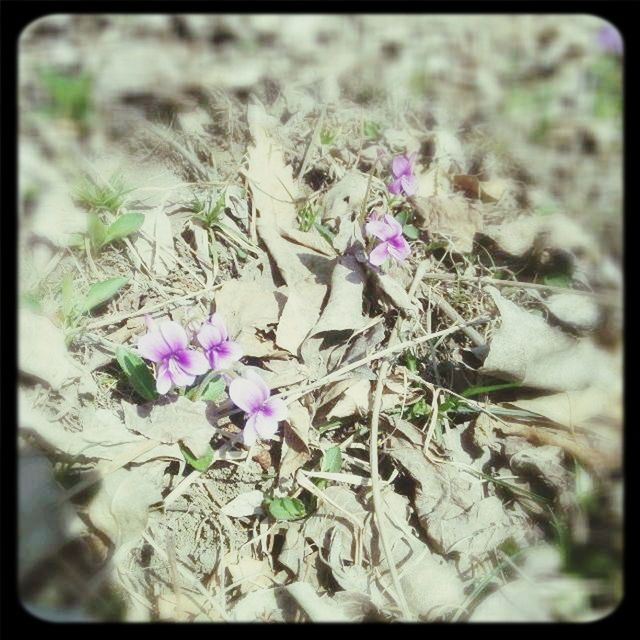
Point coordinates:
[(480, 516)]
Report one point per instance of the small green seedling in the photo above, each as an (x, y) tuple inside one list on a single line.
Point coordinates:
[(285, 508), (109, 196), (209, 210), (137, 373), (372, 130), (199, 464), (68, 95), (75, 305), (100, 234), (327, 137)]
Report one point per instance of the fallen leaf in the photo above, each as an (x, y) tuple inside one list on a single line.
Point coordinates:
[(343, 311), (526, 349), (154, 243), (121, 508), (246, 504), (42, 353), (246, 304), (576, 311), (452, 216), (171, 421)]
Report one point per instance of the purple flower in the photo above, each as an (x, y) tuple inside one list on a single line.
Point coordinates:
[(405, 181), (166, 345), (609, 39), (393, 243), (251, 394), (219, 350)]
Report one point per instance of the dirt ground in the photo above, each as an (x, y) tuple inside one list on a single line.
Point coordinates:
[(453, 434)]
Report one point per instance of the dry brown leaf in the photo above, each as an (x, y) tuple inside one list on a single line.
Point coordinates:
[(345, 196), (300, 314), (154, 243), (576, 311), (343, 311), (295, 448), (171, 421), (555, 231), (251, 574), (44, 524), (526, 349), (103, 436), (248, 304), (452, 216), (39, 336), (121, 508), (434, 182), (394, 292), (246, 504), (452, 509)]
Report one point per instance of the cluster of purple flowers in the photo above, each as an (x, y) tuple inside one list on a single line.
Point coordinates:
[(385, 227), (177, 365)]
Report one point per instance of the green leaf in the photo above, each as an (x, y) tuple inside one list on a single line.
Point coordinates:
[(478, 389), (100, 292), (69, 297), (76, 240), (558, 280), (286, 508), (411, 232), (329, 426), (332, 460), (325, 232), (124, 226), (410, 361), (97, 231), (137, 373), (403, 217), (199, 464), (214, 391), (372, 129)]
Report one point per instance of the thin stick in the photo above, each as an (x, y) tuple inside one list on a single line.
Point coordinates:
[(336, 375), (140, 312), (610, 299), (378, 505), (449, 311)]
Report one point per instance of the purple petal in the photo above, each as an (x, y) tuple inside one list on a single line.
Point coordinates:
[(379, 254), (224, 355), (266, 426), (215, 320), (394, 225), (174, 335), (409, 185), (275, 408), (395, 186), (399, 248), (209, 336), (379, 229), (163, 379), (249, 434), (192, 362), (179, 376), (152, 347), (246, 394), (401, 166), (265, 391)]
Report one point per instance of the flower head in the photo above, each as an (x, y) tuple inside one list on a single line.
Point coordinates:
[(166, 344), (214, 339), (609, 39), (393, 244), (251, 394), (405, 181)]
